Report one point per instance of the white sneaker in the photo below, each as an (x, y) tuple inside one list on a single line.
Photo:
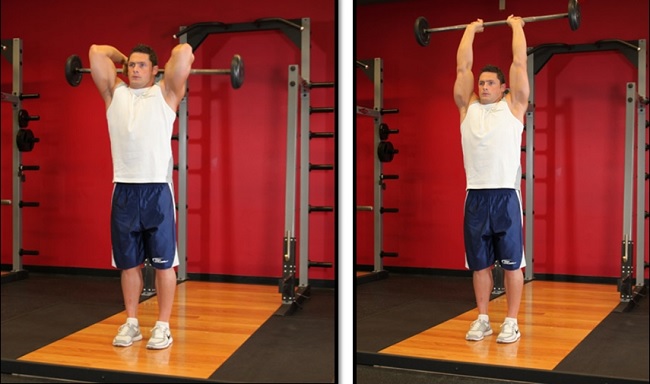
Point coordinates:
[(126, 335), (478, 330), (161, 338), (509, 332)]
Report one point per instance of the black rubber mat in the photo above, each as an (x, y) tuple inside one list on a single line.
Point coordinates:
[(42, 309), (384, 375), (299, 348), (393, 309), (617, 347)]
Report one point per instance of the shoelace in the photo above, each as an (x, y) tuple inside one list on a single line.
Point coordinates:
[(476, 325), (508, 327), (125, 328), (159, 333)]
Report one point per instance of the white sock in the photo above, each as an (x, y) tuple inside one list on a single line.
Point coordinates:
[(162, 324), (512, 319), (484, 318), (132, 320)]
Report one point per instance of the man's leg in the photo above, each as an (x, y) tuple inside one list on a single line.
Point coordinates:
[(483, 285), (161, 336), (131, 282), (165, 288), (514, 284), (131, 290), (482, 281)]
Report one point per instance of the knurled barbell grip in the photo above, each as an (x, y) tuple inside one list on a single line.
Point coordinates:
[(499, 22), (192, 71)]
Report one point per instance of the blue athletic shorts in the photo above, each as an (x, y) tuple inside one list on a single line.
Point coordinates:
[(143, 225), (493, 229)]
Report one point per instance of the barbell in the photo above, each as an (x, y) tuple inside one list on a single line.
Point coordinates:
[(74, 71), (423, 32)]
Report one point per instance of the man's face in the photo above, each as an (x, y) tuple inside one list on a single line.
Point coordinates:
[(490, 88), (141, 70)]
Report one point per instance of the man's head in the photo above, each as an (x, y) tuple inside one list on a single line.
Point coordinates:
[(491, 84), (142, 66)]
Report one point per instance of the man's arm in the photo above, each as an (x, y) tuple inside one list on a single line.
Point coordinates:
[(103, 71), (519, 87), (177, 71), (464, 85)]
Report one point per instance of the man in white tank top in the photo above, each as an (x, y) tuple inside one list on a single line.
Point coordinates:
[(491, 129), (140, 119)]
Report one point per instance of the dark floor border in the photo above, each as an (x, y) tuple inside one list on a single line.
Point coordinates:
[(483, 370), (90, 374), (64, 271), (372, 276), (465, 273), (14, 276), (416, 271), (191, 276), (254, 280)]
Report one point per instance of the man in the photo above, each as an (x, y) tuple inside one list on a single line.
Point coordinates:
[(491, 130), (140, 121)]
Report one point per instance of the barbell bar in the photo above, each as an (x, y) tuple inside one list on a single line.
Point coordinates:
[(423, 32), (74, 71)]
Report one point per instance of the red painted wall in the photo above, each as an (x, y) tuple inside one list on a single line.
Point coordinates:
[(237, 138), (579, 141)]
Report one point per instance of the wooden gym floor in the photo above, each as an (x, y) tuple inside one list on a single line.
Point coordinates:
[(62, 326), (571, 332)]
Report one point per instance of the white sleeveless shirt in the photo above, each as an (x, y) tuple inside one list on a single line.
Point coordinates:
[(140, 125), (491, 141)]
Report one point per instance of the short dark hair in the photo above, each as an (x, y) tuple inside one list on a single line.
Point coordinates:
[(494, 69), (142, 48)]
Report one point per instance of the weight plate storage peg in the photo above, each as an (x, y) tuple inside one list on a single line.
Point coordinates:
[(386, 151), (25, 140), (24, 118), (385, 131)]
